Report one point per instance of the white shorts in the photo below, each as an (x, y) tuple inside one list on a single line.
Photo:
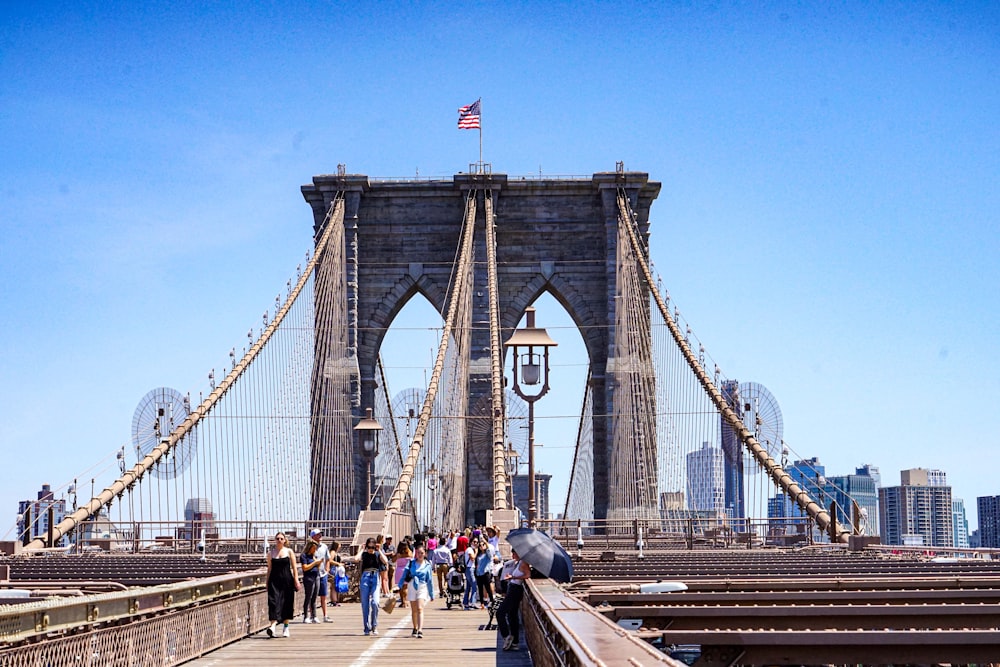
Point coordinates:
[(417, 591)]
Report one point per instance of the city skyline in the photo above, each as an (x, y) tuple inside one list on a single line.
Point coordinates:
[(828, 222)]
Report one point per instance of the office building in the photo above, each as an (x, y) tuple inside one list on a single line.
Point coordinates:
[(860, 488), (959, 523), (706, 480), (989, 521), (916, 513), (40, 513), (199, 520)]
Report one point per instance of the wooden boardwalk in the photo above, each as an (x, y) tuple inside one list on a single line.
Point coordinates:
[(451, 637)]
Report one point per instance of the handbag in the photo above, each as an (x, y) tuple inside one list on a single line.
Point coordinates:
[(388, 603), (341, 583)]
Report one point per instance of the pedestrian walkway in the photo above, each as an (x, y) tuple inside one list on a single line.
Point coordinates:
[(451, 637)]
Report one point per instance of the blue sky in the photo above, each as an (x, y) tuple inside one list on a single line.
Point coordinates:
[(829, 221)]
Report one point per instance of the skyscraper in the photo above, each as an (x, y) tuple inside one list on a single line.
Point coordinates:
[(959, 523), (37, 513), (862, 488), (915, 512), (989, 521), (706, 480)]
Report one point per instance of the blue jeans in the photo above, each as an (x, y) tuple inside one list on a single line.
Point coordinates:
[(370, 587), (470, 587)]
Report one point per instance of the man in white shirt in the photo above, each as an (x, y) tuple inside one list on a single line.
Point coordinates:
[(323, 556)]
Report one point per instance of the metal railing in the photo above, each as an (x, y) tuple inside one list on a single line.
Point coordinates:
[(686, 530), (208, 536), (156, 625), (563, 631)]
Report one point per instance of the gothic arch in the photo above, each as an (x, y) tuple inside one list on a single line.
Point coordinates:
[(590, 330), (385, 310)]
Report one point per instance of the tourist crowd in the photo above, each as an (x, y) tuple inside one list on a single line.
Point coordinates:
[(466, 565)]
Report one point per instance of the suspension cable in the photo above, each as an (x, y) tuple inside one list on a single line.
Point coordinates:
[(496, 361), (461, 274), (627, 218), (129, 477)]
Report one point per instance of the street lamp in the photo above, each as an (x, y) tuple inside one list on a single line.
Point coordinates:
[(531, 367), (368, 429), (432, 482), (512, 455)]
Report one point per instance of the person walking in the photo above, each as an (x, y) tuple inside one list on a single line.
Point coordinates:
[(469, 563), (373, 563), (403, 556), (322, 556), (383, 566), (282, 582), (508, 623), (310, 580), (484, 574), (420, 575), (441, 559)]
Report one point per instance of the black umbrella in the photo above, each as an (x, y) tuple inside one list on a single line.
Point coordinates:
[(541, 552)]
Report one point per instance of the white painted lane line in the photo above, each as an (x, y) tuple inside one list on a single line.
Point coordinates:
[(379, 645)]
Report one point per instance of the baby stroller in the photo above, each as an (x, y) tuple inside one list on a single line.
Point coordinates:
[(454, 586)]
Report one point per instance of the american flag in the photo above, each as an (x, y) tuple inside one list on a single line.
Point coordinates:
[(468, 116)]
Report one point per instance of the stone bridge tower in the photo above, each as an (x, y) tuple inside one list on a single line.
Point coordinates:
[(557, 235)]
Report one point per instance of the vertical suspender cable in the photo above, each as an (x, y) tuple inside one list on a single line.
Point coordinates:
[(496, 360), (626, 218), (461, 271)]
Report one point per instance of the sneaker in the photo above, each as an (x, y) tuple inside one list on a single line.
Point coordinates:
[(305, 619), (508, 641), (420, 634), (327, 619), (367, 633), (270, 631), (375, 632), (414, 633), (286, 633)]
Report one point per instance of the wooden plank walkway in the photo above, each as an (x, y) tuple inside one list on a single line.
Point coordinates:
[(451, 637)]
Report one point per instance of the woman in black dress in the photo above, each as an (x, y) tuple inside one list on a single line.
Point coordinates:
[(282, 582)]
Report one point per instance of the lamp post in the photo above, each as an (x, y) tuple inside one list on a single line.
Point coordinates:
[(432, 480), (530, 347), (512, 455), (368, 429)]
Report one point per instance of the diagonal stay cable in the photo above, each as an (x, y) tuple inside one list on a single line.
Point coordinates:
[(130, 477), (627, 218), (461, 272)]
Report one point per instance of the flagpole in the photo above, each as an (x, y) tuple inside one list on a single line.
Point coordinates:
[(481, 135)]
